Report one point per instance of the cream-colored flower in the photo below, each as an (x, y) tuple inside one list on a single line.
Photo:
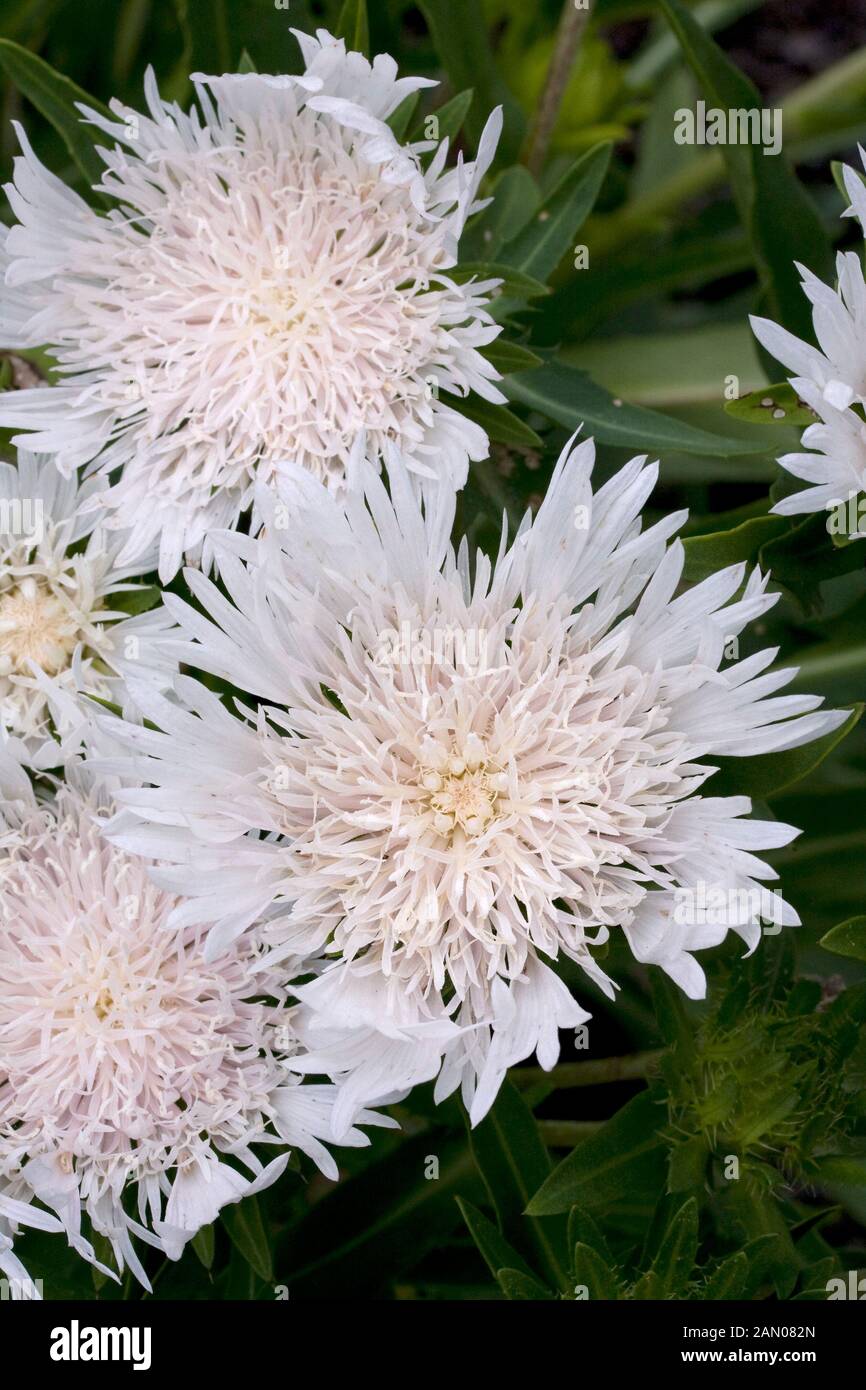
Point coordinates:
[(274, 275)]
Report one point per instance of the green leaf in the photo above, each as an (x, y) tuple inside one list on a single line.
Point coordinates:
[(673, 369), (772, 405), (243, 1222), (204, 1244), (842, 1172), (803, 556), (673, 1264), (495, 1250), (509, 357), (770, 773), (55, 98), (513, 1162), (208, 33), (772, 1257), (847, 939), (540, 247), (777, 214), (625, 1158), (105, 1255), (225, 32), (728, 1279), (515, 284), (687, 1164), (501, 424), (673, 1021), (515, 200), (591, 1271), (464, 48), (354, 26), (63, 1272), (583, 1230), (449, 118), (817, 1282), (569, 397), (138, 600), (771, 1252), (707, 554), (398, 120), (361, 1236), (20, 18), (520, 1287)]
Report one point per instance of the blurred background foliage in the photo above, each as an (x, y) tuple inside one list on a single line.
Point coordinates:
[(643, 336)]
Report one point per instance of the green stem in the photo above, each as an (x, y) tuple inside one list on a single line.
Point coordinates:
[(571, 27), (636, 1067), (564, 1134)]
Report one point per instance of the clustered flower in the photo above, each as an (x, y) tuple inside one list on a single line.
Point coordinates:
[(398, 786), (59, 573), (446, 831), (138, 1078)]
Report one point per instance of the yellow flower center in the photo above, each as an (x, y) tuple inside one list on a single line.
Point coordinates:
[(464, 789), (35, 625)]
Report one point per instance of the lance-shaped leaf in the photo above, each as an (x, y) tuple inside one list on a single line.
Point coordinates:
[(209, 35), (543, 243), (500, 423), (515, 284), (446, 122), (779, 217), (770, 773), (362, 1235), (509, 357), (56, 98), (847, 939), (521, 1287), (568, 396), (354, 26), (592, 1273), (625, 1158), (513, 1162), (463, 44), (707, 554), (803, 556), (728, 1279), (492, 1245), (672, 1266), (515, 198), (204, 1245), (398, 121), (243, 1221)]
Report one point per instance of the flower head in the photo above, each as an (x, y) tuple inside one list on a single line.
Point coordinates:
[(273, 276), (58, 575), (453, 778), (830, 378), (132, 1067)]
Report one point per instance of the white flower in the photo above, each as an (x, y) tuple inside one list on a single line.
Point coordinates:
[(830, 378), (453, 780), (838, 369), (135, 1076), (836, 463), (55, 603), (273, 276)]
